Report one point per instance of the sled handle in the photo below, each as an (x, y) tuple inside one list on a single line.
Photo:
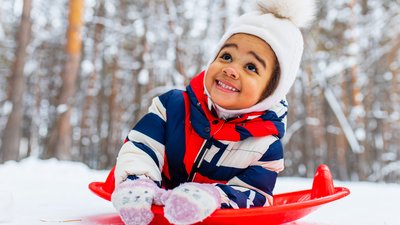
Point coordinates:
[(322, 183)]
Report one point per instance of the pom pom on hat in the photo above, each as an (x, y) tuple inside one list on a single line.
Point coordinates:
[(278, 23), (300, 12)]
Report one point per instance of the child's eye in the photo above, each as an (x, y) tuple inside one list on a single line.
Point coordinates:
[(251, 67), (226, 57)]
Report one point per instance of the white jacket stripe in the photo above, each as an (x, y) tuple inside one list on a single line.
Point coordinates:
[(132, 160)]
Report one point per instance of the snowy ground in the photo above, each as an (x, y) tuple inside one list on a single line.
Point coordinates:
[(52, 192)]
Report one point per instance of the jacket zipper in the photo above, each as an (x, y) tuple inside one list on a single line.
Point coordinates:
[(199, 159)]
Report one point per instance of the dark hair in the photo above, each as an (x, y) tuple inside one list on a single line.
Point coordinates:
[(273, 82)]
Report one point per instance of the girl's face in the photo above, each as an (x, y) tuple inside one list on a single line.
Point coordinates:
[(239, 75)]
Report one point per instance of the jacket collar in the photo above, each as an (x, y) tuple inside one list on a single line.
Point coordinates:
[(206, 123)]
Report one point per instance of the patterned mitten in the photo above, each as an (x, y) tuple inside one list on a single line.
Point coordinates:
[(191, 202), (133, 200)]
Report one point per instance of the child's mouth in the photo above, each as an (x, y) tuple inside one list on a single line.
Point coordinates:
[(226, 87)]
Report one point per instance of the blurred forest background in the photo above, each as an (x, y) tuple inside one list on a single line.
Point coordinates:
[(76, 75)]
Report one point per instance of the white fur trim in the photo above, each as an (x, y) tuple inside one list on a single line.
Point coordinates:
[(300, 12)]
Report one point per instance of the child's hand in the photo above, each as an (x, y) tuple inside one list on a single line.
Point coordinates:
[(190, 203), (133, 200)]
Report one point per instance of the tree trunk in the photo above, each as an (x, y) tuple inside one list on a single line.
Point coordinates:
[(114, 141), (394, 140), (138, 87), (88, 121), (307, 131), (356, 101), (12, 133), (60, 140)]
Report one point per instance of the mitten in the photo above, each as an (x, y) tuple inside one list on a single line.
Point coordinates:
[(133, 200), (190, 203)]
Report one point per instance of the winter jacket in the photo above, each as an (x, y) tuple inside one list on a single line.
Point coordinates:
[(181, 140)]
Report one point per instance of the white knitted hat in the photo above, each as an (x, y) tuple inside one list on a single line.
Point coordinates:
[(277, 22)]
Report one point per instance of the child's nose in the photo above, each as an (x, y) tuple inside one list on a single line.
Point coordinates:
[(231, 72)]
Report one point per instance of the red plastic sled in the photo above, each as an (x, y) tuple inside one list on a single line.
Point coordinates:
[(287, 207)]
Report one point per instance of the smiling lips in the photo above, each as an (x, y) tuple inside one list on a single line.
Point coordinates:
[(226, 87)]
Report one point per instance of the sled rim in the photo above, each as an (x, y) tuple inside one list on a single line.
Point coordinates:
[(288, 207), (340, 192), (97, 188)]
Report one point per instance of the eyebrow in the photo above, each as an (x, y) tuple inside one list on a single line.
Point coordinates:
[(258, 58), (228, 45)]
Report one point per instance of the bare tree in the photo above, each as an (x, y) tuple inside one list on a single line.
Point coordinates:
[(12, 133), (88, 120), (60, 141)]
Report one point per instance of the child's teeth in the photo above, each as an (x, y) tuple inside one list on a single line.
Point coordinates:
[(226, 86)]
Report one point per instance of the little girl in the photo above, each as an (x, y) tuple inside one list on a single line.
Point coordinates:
[(217, 144)]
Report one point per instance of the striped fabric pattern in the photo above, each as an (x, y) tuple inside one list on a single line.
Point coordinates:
[(175, 142)]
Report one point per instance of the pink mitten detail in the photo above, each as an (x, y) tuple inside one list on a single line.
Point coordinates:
[(191, 202), (161, 196), (136, 216), (133, 200)]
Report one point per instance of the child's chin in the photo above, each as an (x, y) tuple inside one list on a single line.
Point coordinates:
[(226, 105), (224, 101)]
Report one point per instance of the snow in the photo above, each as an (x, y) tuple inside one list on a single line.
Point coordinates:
[(143, 77), (49, 192)]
